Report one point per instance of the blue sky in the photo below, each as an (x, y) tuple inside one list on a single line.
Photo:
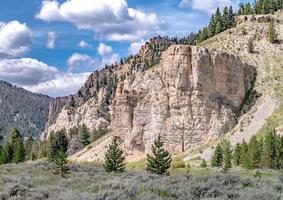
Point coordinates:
[(51, 46)]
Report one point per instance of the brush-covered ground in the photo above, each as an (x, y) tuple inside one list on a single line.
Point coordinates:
[(35, 180)]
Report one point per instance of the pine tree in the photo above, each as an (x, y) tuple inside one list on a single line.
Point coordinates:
[(225, 18), (160, 161), (84, 135), (19, 151), (254, 153), (57, 142), (60, 164), (241, 9), (4, 157), (272, 34), (244, 154), (237, 154), (29, 147), (217, 157), (114, 158), (227, 154), (211, 27), (248, 9), (218, 28), (269, 150), (232, 21)]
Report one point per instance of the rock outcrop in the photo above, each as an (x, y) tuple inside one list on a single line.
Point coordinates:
[(188, 94)]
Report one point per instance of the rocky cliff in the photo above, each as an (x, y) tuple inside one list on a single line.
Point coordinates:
[(188, 94)]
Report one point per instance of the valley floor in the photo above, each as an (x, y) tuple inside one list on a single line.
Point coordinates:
[(89, 181)]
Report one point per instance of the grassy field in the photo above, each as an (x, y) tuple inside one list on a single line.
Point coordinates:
[(89, 181)]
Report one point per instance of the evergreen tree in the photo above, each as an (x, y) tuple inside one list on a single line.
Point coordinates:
[(254, 153), (227, 154), (114, 158), (84, 135), (225, 18), (231, 18), (269, 150), (218, 28), (244, 153), (241, 9), (217, 157), (211, 27), (29, 147), (60, 164), (18, 151), (57, 142), (237, 154), (272, 34), (248, 9), (4, 156), (160, 161)]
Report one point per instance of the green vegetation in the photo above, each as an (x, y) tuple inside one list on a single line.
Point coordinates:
[(60, 167), (217, 157), (13, 150), (178, 163), (22, 109), (84, 134), (261, 152), (34, 180), (160, 161), (56, 143), (114, 158)]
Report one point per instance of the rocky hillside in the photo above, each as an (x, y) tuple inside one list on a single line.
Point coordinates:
[(190, 95), (22, 109)]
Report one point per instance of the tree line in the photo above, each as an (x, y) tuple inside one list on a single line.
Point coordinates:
[(260, 152)]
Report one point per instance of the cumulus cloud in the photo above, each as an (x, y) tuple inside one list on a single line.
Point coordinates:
[(81, 62), (103, 49), (26, 71), (135, 47), (15, 39), (51, 40), (83, 44), (207, 6), (61, 85), (112, 19), (39, 77)]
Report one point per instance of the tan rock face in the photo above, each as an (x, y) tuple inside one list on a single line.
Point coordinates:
[(190, 97)]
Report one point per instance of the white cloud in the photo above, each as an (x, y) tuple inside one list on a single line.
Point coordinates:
[(83, 44), (61, 85), (15, 39), (112, 19), (110, 59), (135, 47), (51, 40), (38, 77), (26, 71), (103, 49), (207, 6), (82, 62)]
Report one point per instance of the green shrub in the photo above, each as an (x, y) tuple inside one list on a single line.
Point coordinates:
[(178, 163)]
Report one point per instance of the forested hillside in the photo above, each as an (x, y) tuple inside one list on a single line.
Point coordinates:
[(22, 109)]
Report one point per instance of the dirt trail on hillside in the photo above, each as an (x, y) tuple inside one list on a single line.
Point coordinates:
[(263, 112)]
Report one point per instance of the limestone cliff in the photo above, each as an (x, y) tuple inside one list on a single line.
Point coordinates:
[(187, 94)]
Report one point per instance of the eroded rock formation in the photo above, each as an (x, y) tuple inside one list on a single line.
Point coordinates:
[(187, 94)]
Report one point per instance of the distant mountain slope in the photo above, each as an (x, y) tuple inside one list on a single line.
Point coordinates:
[(22, 109)]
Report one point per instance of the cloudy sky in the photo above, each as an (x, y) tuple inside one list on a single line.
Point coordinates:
[(51, 46)]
